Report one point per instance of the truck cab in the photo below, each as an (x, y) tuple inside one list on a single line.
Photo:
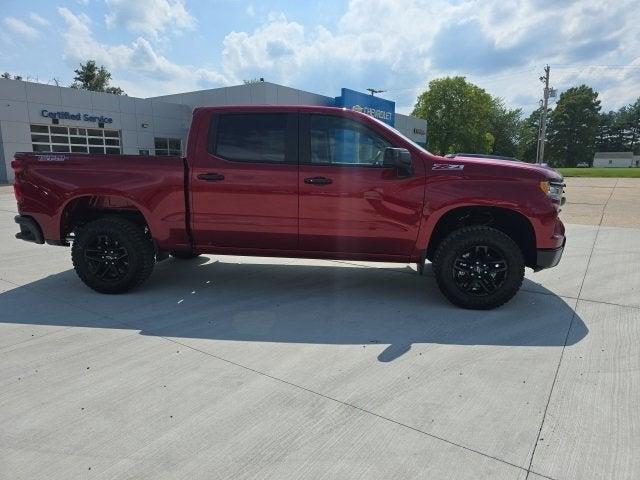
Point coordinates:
[(320, 182)]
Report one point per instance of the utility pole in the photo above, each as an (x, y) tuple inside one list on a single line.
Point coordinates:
[(542, 137)]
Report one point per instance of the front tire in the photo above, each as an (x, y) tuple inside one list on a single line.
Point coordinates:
[(478, 267), (112, 255)]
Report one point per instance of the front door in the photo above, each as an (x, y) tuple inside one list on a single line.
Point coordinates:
[(349, 201), (244, 182)]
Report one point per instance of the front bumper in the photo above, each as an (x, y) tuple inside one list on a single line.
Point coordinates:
[(30, 231), (549, 257)]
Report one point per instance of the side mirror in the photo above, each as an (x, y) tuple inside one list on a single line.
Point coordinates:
[(399, 158)]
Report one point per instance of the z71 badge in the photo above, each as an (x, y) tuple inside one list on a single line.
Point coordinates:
[(447, 166)]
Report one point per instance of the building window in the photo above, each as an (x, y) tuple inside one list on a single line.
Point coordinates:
[(56, 138), (168, 146)]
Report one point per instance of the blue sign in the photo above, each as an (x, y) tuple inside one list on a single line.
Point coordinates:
[(76, 116), (384, 110)]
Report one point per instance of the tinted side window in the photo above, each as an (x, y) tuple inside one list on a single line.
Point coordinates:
[(252, 137), (341, 141)]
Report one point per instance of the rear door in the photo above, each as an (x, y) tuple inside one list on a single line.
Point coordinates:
[(349, 201), (244, 182)]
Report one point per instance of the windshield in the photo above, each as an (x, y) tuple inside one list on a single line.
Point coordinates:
[(398, 132)]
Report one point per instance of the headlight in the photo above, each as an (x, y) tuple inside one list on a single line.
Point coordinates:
[(554, 190)]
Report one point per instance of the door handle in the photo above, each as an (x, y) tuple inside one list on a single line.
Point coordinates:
[(318, 181), (211, 177)]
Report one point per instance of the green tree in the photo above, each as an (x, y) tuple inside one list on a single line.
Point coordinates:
[(458, 116), (91, 77), (8, 76), (573, 127), (632, 120), (620, 130), (504, 125), (528, 136), (611, 133)]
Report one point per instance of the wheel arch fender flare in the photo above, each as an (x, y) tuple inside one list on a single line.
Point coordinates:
[(102, 201), (435, 226)]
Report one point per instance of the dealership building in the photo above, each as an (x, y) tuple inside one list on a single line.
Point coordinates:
[(45, 118)]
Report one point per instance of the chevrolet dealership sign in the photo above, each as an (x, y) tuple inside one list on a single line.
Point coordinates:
[(383, 115), (384, 110)]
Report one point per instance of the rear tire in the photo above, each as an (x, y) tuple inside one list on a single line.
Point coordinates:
[(478, 267), (184, 255), (112, 255)]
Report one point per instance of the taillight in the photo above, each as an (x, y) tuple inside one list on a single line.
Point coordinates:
[(18, 169), (17, 166)]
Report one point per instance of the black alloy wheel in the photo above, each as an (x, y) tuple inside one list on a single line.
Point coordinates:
[(478, 267), (480, 270), (106, 258), (112, 254)]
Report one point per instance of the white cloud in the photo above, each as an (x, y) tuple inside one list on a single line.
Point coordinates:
[(18, 27), (145, 72), (150, 17), (35, 18), (81, 46), (397, 46), (400, 46)]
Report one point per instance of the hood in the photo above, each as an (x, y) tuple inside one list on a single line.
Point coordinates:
[(513, 166)]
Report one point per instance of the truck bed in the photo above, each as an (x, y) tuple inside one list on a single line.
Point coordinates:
[(51, 186)]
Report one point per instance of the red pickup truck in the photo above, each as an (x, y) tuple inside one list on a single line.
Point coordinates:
[(296, 181)]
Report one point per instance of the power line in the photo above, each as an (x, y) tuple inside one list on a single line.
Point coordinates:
[(495, 76), (572, 66), (500, 76)]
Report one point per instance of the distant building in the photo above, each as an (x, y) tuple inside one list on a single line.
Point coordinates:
[(616, 159)]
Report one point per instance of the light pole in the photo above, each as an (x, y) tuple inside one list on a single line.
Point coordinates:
[(374, 91), (542, 133)]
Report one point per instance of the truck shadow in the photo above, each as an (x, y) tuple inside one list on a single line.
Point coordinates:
[(301, 302)]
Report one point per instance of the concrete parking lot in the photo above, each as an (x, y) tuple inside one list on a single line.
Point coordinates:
[(231, 367)]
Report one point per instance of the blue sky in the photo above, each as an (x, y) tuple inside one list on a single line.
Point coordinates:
[(154, 47)]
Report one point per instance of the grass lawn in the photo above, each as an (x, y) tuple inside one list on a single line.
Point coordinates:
[(601, 172)]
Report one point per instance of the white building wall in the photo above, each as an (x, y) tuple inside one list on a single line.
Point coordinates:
[(139, 120), (612, 161)]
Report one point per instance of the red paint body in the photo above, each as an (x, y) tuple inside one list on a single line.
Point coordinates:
[(367, 213)]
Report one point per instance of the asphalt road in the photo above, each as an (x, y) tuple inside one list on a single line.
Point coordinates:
[(231, 367)]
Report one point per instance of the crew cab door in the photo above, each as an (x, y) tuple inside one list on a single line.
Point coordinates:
[(244, 182), (349, 201)]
